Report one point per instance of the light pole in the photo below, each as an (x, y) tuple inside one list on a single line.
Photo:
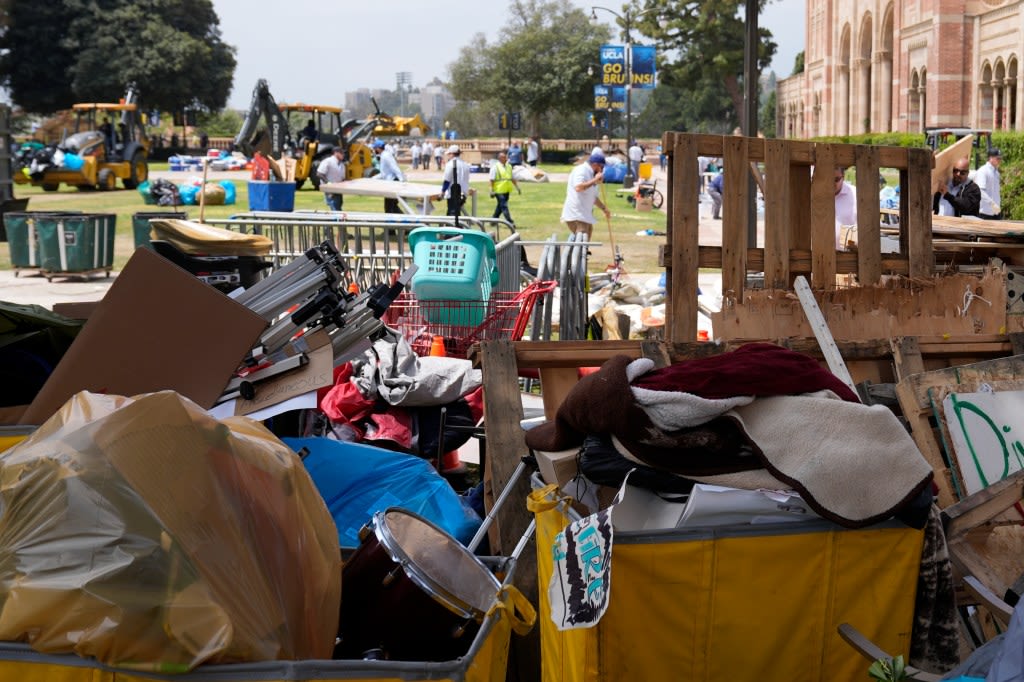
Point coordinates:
[(626, 18)]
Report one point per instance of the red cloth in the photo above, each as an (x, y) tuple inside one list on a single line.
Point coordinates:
[(343, 402), (757, 369)]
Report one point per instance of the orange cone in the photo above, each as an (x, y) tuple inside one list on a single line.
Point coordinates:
[(437, 347), (450, 460)]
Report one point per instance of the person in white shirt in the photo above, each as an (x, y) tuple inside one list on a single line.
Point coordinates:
[(332, 169), (426, 154), (532, 152), (438, 154), (636, 157), (846, 204), (456, 181), (987, 178), (415, 150), (581, 196), (389, 170)]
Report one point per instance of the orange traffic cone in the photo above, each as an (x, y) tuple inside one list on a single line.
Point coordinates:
[(437, 347), (450, 461)]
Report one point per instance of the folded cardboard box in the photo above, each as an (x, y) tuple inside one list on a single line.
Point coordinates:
[(557, 467), (157, 328)]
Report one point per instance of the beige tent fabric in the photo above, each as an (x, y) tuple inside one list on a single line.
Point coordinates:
[(199, 239)]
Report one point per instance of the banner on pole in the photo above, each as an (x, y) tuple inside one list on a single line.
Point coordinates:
[(643, 68), (609, 98)]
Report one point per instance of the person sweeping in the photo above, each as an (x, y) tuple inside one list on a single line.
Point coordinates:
[(582, 195)]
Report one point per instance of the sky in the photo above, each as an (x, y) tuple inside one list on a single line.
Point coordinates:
[(315, 51)]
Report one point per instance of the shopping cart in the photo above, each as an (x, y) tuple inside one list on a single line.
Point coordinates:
[(505, 315)]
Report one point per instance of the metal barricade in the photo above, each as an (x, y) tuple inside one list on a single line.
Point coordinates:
[(372, 245)]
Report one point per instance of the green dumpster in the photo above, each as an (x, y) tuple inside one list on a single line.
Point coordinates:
[(23, 236), (141, 226), (76, 244)]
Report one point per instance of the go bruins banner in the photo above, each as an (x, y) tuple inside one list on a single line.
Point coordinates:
[(614, 69)]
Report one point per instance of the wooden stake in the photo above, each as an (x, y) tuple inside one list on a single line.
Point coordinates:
[(202, 191)]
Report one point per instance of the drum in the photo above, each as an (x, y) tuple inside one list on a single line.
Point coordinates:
[(411, 592)]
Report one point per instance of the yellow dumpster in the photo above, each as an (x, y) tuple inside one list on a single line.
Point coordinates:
[(734, 603)]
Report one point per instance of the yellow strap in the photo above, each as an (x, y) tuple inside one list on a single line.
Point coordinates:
[(521, 613), (543, 499)]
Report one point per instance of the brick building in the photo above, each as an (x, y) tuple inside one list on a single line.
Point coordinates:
[(879, 66)]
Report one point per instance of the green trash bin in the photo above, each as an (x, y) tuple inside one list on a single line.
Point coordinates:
[(76, 244), (23, 236), (141, 227)]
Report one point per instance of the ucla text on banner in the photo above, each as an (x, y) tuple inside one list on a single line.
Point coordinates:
[(613, 65), (643, 66), (609, 98)]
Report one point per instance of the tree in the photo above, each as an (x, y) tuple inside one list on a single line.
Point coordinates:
[(766, 120), (702, 41), (89, 50), (537, 66), (798, 63)]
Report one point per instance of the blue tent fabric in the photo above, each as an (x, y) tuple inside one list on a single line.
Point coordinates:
[(358, 480), (614, 172)]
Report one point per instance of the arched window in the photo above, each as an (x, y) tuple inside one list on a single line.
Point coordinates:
[(914, 119), (1011, 92), (986, 101)]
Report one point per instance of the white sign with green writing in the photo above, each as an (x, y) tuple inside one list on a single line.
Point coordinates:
[(986, 432)]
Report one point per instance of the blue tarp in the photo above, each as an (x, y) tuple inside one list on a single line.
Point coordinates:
[(357, 480)]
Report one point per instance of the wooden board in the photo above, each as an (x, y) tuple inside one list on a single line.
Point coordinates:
[(914, 396), (945, 159), (980, 432), (932, 307)]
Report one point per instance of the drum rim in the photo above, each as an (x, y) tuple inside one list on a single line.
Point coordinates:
[(450, 601)]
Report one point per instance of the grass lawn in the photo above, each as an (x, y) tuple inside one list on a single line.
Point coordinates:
[(536, 213)]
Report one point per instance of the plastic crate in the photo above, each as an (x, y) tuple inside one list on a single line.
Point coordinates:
[(271, 196), (454, 264)]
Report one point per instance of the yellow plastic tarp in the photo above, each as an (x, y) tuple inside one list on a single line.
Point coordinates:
[(762, 605), (145, 534)]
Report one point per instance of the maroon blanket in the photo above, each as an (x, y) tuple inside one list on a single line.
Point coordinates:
[(756, 369)]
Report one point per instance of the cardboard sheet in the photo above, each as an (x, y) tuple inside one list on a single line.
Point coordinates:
[(158, 327)]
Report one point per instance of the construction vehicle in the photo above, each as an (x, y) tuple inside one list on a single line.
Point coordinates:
[(356, 133), (274, 138), (103, 151)]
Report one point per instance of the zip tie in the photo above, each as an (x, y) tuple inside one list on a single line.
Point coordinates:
[(969, 297)]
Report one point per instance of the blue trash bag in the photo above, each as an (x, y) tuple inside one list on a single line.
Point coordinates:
[(73, 161), (357, 481), (229, 191), (614, 172), (188, 194)]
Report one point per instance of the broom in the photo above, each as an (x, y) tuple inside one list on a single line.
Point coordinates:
[(616, 261)]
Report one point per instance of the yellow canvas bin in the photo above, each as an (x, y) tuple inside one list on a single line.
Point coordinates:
[(734, 603), (645, 170), (485, 661)]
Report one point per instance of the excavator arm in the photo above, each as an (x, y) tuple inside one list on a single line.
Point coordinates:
[(250, 135)]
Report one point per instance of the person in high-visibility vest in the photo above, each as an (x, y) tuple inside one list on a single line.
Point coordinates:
[(502, 183)]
